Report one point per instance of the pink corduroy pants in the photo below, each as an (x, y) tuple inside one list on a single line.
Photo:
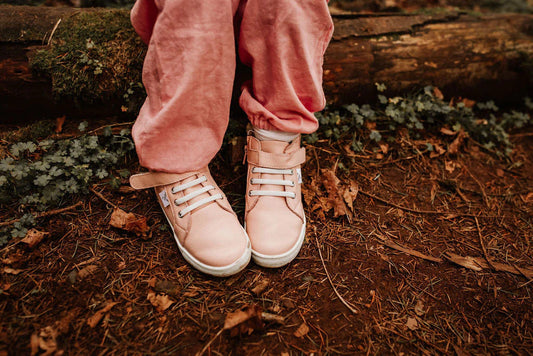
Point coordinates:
[(190, 65)]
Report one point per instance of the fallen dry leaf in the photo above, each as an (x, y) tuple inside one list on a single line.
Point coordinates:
[(129, 222), (309, 191), (350, 193), (86, 271), (529, 198), (161, 302), (467, 261), (95, 319), (384, 148), (371, 125), (419, 308), (34, 237), (467, 102), (260, 287), (480, 263), (412, 323), (447, 131), (59, 123), (335, 199), (302, 330), (244, 321), (46, 340), (437, 151), (450, 166), (167, 287), (437, 93), (10, 270), (457, 142)]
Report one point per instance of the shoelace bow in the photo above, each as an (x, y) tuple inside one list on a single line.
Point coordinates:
[(193, 195), (281, 182)]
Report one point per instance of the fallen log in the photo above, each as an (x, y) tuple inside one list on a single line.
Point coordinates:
[(481, 57), (485, 57)]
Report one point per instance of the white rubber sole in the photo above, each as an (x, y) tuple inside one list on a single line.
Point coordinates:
[(221, 271), (277, 261)]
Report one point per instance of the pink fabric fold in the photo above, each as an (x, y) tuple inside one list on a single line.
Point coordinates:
[(190, 65)]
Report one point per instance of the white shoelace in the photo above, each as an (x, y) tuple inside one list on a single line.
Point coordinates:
[(281, 182), (193, 195)]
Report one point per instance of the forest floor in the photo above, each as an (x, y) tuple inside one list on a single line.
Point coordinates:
[(435, 257)]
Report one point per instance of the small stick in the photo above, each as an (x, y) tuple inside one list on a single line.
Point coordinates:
[(210, 342), (489, 261), (428, 212), (99, 195), (272, 317), (480, 186), (53, 31), (44, 214), (348, 305), (41, 215), (389, 243), (112, 125)]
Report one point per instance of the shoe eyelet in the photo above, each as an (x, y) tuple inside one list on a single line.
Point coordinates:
[(180, 215), (292, 184), (176, 202)]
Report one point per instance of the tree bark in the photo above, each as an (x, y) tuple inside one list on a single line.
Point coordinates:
[(480, 57), (485, 57)]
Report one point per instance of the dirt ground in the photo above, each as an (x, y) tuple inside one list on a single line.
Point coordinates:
[(377, 282)]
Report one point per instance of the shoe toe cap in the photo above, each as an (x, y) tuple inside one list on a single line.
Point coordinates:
[(217, 244), (273, 233)]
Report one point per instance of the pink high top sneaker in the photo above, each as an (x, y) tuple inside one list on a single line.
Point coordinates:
[(274, 218), (204, 225)]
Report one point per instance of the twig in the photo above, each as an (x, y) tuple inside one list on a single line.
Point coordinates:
[(41, 215), (74, 136), (525, 134), (348, 305), (428, 212), (210, 342), (53, 31), (485, 254), (480, 263), (99, 195), (112, 125), (44, 214), (272, 317), (394, 245), (480, 186)]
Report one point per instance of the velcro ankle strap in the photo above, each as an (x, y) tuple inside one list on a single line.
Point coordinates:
[(276, 160), (156, 179)]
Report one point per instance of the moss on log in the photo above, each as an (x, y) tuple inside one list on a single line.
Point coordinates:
[(93, 59)]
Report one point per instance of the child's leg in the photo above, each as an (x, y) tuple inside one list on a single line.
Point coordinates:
[(283, 41), (188, 75)]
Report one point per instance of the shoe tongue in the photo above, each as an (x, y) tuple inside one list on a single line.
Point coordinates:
[(274, 146)]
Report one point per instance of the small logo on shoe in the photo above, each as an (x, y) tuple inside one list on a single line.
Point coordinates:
[(299, 174), (164, 198)]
